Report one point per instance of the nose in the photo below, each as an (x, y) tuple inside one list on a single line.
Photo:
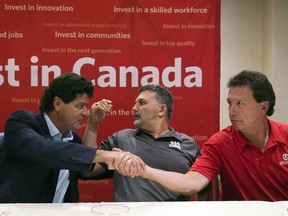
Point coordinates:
[(134, 108), (85, 111), (232, 110)]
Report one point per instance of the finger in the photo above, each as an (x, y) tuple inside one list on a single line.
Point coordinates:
[(105, 105), (138, 166), (106, 101), (133, 170), (117, 150), (120, 161), (113, 160), (130, 168), (110, 164), (125, 164)]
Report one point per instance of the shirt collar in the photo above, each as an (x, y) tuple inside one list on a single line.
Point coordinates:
[(275, 135), (275, 132), (240, 139), (55, 133), (171, 133)]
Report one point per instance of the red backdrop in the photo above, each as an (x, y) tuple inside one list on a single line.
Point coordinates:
[(120, 45)]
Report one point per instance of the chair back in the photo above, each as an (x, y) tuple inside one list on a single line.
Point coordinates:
[(1, 138)]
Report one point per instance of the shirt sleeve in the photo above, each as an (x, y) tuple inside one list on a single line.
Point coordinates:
[(208, 164), (108, 145)]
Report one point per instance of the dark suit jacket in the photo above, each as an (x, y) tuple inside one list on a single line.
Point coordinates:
[(30, 161)]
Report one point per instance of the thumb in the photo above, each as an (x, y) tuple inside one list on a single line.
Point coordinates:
[(110, 163), (116, 149)]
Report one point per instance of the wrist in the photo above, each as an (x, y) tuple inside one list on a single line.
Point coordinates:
[(92, 126), (147, 172), (99, 156)]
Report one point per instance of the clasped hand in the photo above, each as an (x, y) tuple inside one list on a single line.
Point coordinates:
[(126, 163)]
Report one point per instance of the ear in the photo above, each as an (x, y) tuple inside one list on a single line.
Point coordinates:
[(162, 110), (57, 102), (265, 106)]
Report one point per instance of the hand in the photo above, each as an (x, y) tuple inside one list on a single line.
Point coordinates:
[(99, 110), (126, 163)]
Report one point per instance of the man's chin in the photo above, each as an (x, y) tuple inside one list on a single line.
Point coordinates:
[(236, 127), (77, 127), (137, 124)]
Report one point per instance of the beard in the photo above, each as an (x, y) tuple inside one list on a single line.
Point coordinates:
[(138, 123)]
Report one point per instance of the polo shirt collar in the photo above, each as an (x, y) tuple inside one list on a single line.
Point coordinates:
[(171, 133), (240, 139), (275, 134)]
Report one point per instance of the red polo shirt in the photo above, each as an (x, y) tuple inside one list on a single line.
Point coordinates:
[(246, 172)]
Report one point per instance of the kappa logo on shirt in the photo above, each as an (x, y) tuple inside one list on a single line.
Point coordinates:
[(285, 159), (174, 144)]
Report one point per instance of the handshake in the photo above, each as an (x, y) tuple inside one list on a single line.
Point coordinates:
[(123, 162)]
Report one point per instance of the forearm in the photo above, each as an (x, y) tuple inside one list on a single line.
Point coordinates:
[(102, 156), (97, 171), (90, 135), (184, 184), (97, 113)]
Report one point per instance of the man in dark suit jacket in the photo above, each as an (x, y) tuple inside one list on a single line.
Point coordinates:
[(41, 156)]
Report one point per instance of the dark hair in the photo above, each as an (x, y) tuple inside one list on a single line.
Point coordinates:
[(67, 87), (259, 84), (163, 96)]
